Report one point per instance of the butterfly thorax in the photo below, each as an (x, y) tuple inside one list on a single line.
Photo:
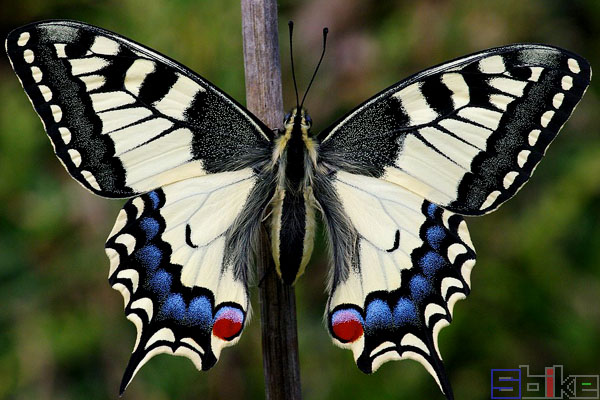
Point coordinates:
[(293, 216)]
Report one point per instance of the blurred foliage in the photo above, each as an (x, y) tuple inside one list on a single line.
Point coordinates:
[(536, 287)]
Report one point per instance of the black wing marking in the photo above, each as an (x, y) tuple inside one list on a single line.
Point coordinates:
[(125, 119), (466, 134)]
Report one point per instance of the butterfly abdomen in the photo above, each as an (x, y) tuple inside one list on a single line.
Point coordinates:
[(292, 233), (293, 217)]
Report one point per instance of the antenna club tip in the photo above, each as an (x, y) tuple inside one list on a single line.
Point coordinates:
[(325, 30), (290, 23)]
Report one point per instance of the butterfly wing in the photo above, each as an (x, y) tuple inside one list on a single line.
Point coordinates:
[(124, 119), (411, 261), (466, 134), (179, 256)]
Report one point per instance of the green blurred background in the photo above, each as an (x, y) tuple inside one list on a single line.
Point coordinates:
[(536, 286)]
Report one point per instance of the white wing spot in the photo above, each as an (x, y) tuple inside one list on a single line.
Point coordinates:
[(56, 112), (507, 85), (463, 233), (137, 73), (80, 66), (546, 118), (75, 157), (522, 157), (490, 199), (492, 65), (574, 66), (533, 137), (143, 304), (134, 135), (179, 98), (65, 134), (60, 50), (509, 179), (459, 88), (138, 203), (163, 334), (128, 241), (442, 323), (566, 83), (433, 309), (133, 276), (108, 100), (449, 281), (454, 250), (36, 73), (473, 134), (411, 340), (483, 116), (93, 82), (536, 72), (104, 45), (126, 296), (46, 92), (557, 100), (28, 56), (193, 343), (456, 296), (114, 259), (91, 179), (117, 119), (23, 39), (465, 271), (415, 105), (501, 101)]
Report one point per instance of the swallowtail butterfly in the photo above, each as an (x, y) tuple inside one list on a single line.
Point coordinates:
[(391, 180)]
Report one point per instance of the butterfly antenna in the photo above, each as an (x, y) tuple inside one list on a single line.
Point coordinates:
[(291, 26), (325, 32)]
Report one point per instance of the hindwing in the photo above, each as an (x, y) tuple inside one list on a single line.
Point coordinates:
[(175, 257), (412, 261)]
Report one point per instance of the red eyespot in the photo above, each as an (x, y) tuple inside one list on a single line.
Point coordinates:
[(347, 325), (228, 323)]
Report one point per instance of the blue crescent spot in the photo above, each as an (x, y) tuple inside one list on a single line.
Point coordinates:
[(150, 256), (431, 210), (200, 312), (435, 235), (431, 262), (160, 282), (154, 199), (174, 307), (348, 314), (419, 287), (379, 315), (405, 312), (231, 313), (150, 226)]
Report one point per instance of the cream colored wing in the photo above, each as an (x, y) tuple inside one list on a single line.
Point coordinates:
[(411, 262), (177, 256)]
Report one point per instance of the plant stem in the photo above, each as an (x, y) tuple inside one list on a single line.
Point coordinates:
[(277, 301)]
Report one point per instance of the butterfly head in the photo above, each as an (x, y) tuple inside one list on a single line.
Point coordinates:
[(299, 119)]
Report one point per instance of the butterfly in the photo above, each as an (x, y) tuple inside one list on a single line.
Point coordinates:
[(391, 180)]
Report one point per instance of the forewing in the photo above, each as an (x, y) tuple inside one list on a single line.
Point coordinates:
[(466, 134), (179, 256), (124, 119), (411, 262)]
